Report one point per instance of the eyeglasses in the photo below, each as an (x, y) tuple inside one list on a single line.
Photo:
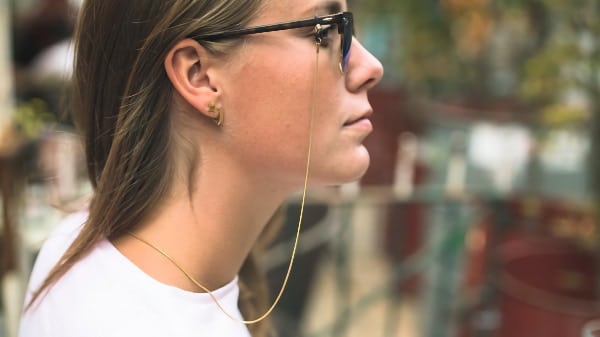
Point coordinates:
[(343, 20)]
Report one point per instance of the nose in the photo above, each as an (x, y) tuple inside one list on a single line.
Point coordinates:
[(364, 70)]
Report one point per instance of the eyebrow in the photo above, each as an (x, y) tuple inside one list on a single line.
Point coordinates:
[(331, 7)]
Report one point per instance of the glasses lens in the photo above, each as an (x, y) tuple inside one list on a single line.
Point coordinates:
[(347, 32)]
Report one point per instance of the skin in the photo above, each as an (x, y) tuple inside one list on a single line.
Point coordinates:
[(258, 157)]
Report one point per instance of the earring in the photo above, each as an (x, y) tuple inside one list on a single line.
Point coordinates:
[(218, 118)]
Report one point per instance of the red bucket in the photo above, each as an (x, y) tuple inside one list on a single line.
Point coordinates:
[(548, 288)]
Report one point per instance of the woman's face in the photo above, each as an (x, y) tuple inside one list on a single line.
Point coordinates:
[(270, 93)]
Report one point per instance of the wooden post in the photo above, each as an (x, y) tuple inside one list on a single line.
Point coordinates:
[(6, 82), (11, 277)]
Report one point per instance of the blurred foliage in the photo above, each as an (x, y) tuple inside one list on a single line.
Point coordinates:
[(32, 117), (543, 53)]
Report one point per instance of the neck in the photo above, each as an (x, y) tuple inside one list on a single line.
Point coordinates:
[(209, 236)]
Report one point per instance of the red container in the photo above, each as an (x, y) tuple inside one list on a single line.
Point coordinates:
[(548, 288)]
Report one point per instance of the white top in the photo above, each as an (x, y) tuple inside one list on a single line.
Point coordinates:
[(106, 295)]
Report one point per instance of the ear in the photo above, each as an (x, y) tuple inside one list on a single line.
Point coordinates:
[(187, 65)]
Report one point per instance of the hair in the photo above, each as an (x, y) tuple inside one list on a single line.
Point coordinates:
[(121, 102)]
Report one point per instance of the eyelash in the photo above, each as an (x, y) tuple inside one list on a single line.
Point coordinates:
[(323, 35)]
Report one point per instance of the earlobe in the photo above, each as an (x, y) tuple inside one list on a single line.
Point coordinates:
[(186, 66)]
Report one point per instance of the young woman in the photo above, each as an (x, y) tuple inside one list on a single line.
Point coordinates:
[(199, 117)]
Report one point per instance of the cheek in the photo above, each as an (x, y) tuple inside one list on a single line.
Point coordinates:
[(271, 110), (270, 127), (268, 86)]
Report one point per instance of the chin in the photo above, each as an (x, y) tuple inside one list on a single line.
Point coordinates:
[(345, 172), (340, 167), (360, 165), (359, 174)]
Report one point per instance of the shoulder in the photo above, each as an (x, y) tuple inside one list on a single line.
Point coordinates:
[(100, 307), (94, 303), (54, 247), (104, 294), (94, 298)]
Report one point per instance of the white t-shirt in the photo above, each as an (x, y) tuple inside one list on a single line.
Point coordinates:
[(106, 295)]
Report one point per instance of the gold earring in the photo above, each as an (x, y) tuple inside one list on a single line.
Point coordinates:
[(218, 118)]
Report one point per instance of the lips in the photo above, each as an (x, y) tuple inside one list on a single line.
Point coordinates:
[(358, 118), (354, 121)]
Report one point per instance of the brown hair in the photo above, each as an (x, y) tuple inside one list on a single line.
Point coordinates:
[(122, 97)]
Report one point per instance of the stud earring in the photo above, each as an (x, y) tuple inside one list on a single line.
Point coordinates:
[(218, 114)]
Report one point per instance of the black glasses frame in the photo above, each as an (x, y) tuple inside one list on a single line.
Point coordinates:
[(343, 20)]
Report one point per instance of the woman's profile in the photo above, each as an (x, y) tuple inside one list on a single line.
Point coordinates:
[(199, 119)]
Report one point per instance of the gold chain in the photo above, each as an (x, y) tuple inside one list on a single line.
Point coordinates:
[(289, 270)]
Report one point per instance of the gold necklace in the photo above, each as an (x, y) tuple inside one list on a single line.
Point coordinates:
[(289, 270)]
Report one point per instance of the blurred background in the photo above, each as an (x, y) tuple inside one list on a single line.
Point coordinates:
[(477, 217)]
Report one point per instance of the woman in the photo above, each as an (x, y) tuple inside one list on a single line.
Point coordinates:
[(197, 126)]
